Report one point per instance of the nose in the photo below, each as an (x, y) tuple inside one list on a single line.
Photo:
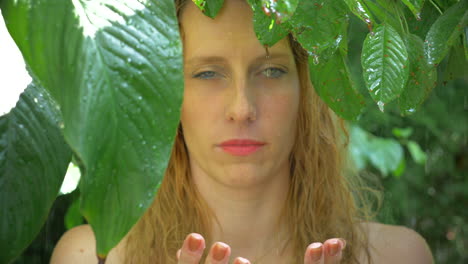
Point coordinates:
[(241, 105)]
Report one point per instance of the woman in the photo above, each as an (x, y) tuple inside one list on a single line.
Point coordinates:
[(256, 164)]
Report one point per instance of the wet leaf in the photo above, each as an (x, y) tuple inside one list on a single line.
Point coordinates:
[(359, 8), (415, 6), (445, 31), (281, 10), (385, 64), (115, 68), (332, 82), (422, 77), (320, 26), (267, 28), (383, 14), (33, 160)]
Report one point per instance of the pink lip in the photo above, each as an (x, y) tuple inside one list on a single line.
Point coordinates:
[(241, 147)]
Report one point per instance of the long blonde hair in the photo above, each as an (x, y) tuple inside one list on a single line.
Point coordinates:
[(322, 203)]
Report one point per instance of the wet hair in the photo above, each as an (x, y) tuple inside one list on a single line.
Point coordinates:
[(322, 202)]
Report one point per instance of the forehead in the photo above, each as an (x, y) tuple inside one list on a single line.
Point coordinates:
[(229, 33)]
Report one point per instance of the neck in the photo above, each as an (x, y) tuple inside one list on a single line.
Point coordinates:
[(247, 217)]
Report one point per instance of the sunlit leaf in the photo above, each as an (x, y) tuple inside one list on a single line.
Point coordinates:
[(115, 68), (385, 64), (444, 32), (33, 161), (333, 84), (422, 77)]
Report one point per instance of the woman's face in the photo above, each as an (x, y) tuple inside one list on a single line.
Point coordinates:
[(240, 105)]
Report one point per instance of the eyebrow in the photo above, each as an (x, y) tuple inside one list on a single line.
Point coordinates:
[(221, 59)]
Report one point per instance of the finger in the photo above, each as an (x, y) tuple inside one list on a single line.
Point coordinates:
[(334, 250), (240, 260), (314, 254), (178, 254), (219, 254), (192, 249)]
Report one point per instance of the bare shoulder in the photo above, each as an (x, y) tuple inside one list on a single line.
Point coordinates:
[(397, 244), (78, 246)]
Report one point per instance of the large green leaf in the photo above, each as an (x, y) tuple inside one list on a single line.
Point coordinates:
[(115, 68), (319, 26), (444, 32), (33, 160), (267, 28), (333, 84), (385, 64), (422, 78)]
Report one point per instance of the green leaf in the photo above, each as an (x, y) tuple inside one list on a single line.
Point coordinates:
[(332, 82), (400, 169), (403, 133), (418, 155), (422, 77), (268, 30), (33, 161), (385, 154), (415, 6), (115, 68), (385, 64), (383, 14), (359, 8), (213, 7), (320, 26), (282, 10), (445, 31), (73, 217)]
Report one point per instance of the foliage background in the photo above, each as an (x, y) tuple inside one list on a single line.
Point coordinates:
[(430, 197)]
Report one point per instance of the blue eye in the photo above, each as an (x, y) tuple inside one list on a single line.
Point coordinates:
[(273, 73), (206, 75)]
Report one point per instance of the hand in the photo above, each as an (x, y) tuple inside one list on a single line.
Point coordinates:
[(330, 252), (193, 247)]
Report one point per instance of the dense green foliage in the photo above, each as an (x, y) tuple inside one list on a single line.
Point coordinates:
[(113, 69)]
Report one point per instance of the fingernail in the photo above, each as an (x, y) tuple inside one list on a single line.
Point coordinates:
[(240, 260), (194, 242), (219, 251), (333, 248), (343, 243), (316, 253)]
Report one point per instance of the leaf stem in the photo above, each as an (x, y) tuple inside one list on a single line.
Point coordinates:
[(436, 6)]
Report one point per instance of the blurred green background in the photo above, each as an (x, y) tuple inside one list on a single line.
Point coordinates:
[(421, 161)]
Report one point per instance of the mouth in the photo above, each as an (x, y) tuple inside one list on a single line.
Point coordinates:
[(241, 147)]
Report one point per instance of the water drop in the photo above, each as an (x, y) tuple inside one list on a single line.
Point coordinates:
[(21, 126), (140, 97), (381, 105), (129, 60), (62, 125), (35, 100)]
